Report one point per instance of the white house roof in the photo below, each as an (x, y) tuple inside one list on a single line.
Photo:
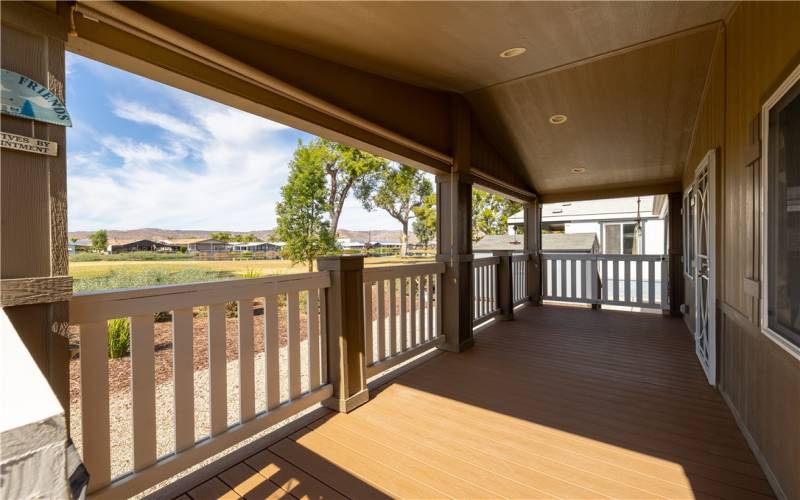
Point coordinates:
[(611, 209)]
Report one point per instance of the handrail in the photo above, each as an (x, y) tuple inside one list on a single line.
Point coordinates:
[(402, 313), (486, 261), (97, 306), (305, 378), (613, 279), (402, 270)]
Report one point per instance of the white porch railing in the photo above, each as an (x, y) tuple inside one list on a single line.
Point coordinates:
[(621, 280), (402, 313), (91, 313), (484, 289), (519, 272)]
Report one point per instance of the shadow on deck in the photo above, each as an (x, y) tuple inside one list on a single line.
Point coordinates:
[(562, 402)]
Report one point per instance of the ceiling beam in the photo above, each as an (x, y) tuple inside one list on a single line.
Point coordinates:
[(612, 192)]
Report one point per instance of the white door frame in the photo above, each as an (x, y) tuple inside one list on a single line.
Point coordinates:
[(708, 360)]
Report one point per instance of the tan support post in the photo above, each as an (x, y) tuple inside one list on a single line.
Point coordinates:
[(34, 193), (454, 235), (344, 300), (505, 285), (533, 244), (674, 252)]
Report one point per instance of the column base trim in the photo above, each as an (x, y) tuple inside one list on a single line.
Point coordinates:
[(461, 347), (349, 404)]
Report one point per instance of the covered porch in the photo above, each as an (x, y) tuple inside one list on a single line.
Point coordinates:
[(563, 402)]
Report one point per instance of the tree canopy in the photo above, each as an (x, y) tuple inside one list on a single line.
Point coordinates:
[(490, 213), (346, 169), (99, 239), (398, 190), (424, 225), (221, 236), (301, 212)]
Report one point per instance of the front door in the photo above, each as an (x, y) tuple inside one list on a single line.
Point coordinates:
[(704, 268)]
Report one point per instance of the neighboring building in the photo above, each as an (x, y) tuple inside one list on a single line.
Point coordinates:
[(141, 246), (349, 244), (208, 246), (81, 245), (614, 221), (496, 242), (553, 242), (570, 243), (256, 246)]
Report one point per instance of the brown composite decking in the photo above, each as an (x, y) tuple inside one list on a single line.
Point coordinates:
[(561, 403)]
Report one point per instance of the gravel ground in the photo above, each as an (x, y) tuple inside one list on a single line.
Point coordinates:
[(121, 412)]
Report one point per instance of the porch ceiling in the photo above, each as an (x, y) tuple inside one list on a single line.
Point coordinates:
[(629, 75)]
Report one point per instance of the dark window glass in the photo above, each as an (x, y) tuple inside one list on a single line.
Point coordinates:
[(783, 217)]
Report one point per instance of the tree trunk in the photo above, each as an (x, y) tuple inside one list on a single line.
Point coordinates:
[(334, 224), (311, 265), (404, 241)]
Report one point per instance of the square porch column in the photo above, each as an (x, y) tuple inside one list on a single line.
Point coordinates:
[(532, 242), (344, 312), (454, 248)]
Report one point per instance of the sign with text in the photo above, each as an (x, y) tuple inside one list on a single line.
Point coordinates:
[(20, 96), (28, 144)]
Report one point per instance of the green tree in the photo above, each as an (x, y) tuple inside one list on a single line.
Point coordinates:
[(99, 239), (490, 214), (221, 236), (346, 169), (300, 214), (424, 225), (398, 190), (244, 238), (74, 240)]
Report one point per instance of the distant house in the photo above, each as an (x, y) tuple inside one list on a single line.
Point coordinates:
[(553, 242), (208, 246), (632, 225), (81, 245), (349, 244), (570, 243), (494, 242), (256, 246), (140, 246)]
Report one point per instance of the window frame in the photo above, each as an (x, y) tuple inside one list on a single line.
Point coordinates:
[(780, 92)]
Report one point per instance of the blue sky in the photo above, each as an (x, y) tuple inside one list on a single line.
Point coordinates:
[(142, 154)]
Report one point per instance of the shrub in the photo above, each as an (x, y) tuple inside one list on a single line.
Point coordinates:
[(251, 272), (119, 338), (231, 309)]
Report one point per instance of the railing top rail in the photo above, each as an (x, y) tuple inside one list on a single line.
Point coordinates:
[(519, 257), (402, 270), (99, 306), (602, 256), (486, 261)]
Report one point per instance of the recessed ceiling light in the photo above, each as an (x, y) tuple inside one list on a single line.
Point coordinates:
[(578, 170), (516, 51), (558, 119)]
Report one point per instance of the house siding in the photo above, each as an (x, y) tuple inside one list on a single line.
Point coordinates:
[(759, 46)]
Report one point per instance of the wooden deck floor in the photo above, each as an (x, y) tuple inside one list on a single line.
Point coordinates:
[(562, 403)]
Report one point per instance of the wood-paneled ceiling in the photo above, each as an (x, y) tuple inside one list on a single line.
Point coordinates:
[(629, 75)]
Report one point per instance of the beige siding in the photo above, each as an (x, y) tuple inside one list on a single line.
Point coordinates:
[(760, 45)]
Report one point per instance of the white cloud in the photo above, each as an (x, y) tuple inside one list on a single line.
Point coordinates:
[(207, 166), (139, 113)]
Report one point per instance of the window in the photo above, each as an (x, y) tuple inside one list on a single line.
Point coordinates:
[(621, 238), (781, 185)]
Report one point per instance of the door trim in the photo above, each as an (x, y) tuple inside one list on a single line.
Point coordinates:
[(709, 164)]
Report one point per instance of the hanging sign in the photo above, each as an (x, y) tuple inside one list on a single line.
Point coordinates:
[(27, 98), (28, 144)]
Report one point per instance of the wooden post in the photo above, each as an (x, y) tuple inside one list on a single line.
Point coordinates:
[(674, 253), (454, 236), (344, 300), (33, 189), (532, 246), (505, 285)]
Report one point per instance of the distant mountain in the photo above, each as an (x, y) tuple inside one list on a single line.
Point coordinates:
[(118, 236)]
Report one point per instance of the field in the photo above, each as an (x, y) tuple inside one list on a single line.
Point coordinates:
[(111, 274)]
